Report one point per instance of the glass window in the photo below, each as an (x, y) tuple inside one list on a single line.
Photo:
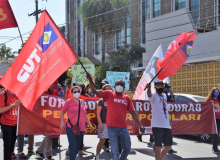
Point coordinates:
[(79, 37), (184, 99), (128, 30), (179, 4), (118, 39), (156, 8), (194, 6), (97, 44), (145, 16), (85, 43)]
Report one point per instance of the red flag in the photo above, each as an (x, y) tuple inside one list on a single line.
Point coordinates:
[(7, 18), (44, 57), (176, 55)]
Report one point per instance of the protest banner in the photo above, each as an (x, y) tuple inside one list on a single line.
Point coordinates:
[(112, 77), (186, 118), (80, 74)]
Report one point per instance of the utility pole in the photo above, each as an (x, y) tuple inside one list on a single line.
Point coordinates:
[(36, 12)]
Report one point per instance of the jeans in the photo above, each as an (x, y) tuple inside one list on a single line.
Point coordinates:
[(116, 136), (9, 138), (216, 136), (74, 143)]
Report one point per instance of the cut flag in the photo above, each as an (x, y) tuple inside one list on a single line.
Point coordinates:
[(44, 57), (149, 73), (176, 55), (7, 18)]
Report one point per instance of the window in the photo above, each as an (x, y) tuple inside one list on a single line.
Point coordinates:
[(156, 8), (85, 43), (128, 30), (184, 99), (145, 16), (179, 4), (105, 45), (97, 44), (118, 38), (79, 38), (194, 6)]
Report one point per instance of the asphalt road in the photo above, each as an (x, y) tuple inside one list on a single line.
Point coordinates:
[(188, 147)]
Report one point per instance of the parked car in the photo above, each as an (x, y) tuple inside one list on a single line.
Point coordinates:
[(193, 98)]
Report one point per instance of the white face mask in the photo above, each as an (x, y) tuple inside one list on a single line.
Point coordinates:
[(76, 95), (119, 89)]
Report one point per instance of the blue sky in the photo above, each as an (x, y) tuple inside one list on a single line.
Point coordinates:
[(21, 8)]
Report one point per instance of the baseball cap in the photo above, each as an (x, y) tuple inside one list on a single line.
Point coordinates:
[(105, 81)]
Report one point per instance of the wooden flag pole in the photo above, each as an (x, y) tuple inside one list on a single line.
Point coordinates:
[(20, 35)]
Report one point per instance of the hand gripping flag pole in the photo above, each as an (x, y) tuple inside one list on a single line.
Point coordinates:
[(172, 57)]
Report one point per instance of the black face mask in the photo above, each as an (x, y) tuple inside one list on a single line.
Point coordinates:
[(159, 90)]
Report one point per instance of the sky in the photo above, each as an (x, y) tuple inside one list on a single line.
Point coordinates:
[(21, 9)]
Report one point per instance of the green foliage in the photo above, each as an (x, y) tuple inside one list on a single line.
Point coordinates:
[(6, 52), (103, 22), (120, 60), (83, 60)]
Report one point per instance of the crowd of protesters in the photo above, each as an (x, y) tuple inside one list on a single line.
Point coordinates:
[(111, 117)]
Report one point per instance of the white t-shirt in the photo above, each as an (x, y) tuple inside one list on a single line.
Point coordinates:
[(158, 117)]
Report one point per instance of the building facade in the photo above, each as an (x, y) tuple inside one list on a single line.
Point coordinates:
[(151, 23)]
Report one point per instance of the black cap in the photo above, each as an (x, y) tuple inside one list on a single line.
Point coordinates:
[(1, 86), (158, 82), (167, 85)]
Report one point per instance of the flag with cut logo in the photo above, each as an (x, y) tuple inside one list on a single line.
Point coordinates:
[(176, 55), (44, 57), (149, 73), (7, 18)]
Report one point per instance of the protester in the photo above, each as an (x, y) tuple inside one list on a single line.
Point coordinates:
[(118, 105), (47, 141), (72, 108), (214, 97), (160, 121), (101, 117), (8, 109), (170, 98)]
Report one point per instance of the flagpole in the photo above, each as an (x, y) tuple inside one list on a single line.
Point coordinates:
[(20, 35), (85, 71), (172, 57)]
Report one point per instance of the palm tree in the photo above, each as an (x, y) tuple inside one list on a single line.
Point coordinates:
[(108, 20)]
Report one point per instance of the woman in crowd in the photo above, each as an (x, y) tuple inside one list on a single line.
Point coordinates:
[(214, 97), (72, 108), (101, 117)]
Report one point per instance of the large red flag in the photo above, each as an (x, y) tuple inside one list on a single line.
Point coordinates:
[(7, 18), (176, 55), (44, 57)]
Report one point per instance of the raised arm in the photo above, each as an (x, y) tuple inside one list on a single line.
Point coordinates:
[(148, 90), (89, 77)]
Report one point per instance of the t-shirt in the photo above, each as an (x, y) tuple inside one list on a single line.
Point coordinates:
[(118, 105), (72, 109), (10, 117), (102, 103), (216, 102), (158, 117)]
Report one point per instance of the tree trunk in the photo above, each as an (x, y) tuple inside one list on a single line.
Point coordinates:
[(103, 48)]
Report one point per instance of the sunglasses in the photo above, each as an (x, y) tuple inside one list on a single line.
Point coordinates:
[(76, 92)]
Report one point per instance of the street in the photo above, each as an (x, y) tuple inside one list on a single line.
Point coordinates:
[(187, 146)]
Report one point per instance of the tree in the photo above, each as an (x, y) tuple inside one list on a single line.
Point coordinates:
[(121, 60), (104, 24), (6, 52)]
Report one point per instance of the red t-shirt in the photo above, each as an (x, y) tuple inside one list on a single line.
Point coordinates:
[(117, 106), (10, 117), (216, 102)]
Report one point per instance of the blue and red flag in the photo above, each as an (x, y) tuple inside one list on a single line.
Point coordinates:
[(44, 57), (176, 55)]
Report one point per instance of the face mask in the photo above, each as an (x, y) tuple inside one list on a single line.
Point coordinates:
[(76, 95), (159, 90), (61, 95), (216, 94), (119, 89), (168, 90)]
